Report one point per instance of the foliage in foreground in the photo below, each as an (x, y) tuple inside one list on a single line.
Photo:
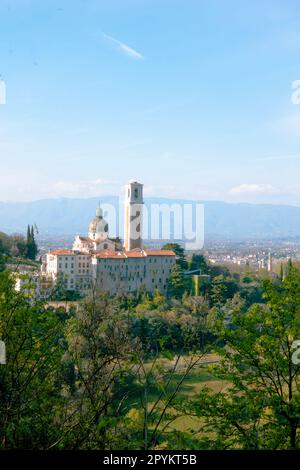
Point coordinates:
[(260, 406), (111, 374)]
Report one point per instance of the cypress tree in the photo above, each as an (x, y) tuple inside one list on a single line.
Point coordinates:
[(289, 267), (28, 235), (281, 272), (32, 248)]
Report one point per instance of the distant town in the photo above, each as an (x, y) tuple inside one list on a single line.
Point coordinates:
[(253, 253)]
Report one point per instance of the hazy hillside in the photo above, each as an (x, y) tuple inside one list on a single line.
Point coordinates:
[(70, 216)]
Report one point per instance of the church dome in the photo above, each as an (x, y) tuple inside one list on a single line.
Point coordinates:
[(102, 226), (98, 224)]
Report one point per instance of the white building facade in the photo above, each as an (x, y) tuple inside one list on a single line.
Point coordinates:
[(71, 267), (111, 271), (130, 271)]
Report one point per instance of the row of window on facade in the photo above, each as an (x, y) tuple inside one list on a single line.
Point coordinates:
[(72, 265), (68, 258), (130, 278), (78, 284), (126, 260)]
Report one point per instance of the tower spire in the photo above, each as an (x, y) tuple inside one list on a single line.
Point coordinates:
[(99, 212)]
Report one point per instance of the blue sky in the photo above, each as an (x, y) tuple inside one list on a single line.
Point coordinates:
[(190, 97)]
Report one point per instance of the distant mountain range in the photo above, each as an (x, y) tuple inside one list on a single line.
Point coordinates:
[(222, 220)]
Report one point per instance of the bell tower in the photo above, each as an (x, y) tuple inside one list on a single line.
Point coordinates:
[(133, 215)]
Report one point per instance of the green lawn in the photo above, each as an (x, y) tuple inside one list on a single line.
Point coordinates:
[(193, 383)]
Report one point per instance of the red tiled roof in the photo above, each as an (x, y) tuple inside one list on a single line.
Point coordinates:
[(61, 252), (133, 254), (117, 254), (160, 253)]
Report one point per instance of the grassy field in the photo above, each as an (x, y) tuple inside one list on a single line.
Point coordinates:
[(198, 378), (193, 385)]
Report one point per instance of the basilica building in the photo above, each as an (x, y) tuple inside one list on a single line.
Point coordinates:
[(105, 263)]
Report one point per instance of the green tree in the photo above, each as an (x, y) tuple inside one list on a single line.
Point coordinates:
[(60, 291), (216, 271), (178, 283), (30, 381), (260, 406), (199, 262), (247, 279), (281, 274), (5, 243), (18, 246), (179, 252), (2, 256), (289, 267), (221, 289), (32, 248), (100, 349), (2, 263)]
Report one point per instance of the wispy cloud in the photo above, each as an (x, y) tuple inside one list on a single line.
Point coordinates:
[(121, 46)]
